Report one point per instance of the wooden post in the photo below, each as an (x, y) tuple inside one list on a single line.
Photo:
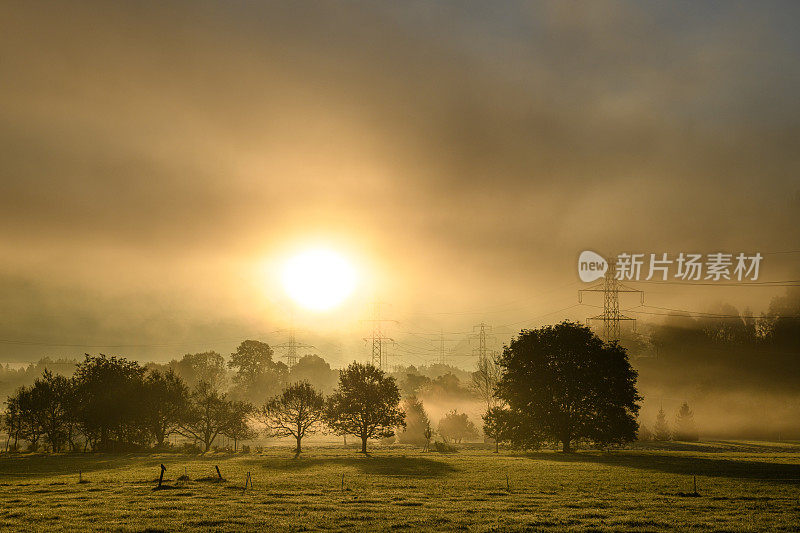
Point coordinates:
[(161, 477), (218, 472), (80, 476)]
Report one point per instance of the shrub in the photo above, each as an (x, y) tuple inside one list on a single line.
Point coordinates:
[(190, 448), (443, 447)]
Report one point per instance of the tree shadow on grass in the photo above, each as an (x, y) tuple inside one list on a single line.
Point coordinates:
[(384, 466), (16, 467), (683, 465)]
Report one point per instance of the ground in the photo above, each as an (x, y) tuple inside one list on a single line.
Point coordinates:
[(741, 486)]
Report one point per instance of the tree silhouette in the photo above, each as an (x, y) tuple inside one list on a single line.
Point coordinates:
[(208, 415), (365, 404), (497, 425), (456, 426), (166, 401), (109, 391), (416, 422), (237, 426), (685, 428), (294, 413), (564, 382), (661, 428)]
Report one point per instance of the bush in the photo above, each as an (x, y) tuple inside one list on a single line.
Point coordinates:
[(443, 447), (245, 448), (190, 448)]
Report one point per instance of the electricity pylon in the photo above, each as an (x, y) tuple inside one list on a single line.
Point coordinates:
[(483, 332), (378, 340), (290, 348), (442, 353), (610, 317)]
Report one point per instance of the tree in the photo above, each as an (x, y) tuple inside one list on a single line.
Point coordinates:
[(30, 428), (294, 413), (108, 393), (250, 359), (417, 422), (485, 378), (661, 427), (496, 425), (203, 366), (564, 382), (12, 419), (365, 404), (208, 415), (257, 375), (685, 428), (316, 371), (165, 403), (48, 408), (237, 428), (456, 426)]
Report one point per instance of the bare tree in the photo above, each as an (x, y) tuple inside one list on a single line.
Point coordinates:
[(485, 378), (294, 412)]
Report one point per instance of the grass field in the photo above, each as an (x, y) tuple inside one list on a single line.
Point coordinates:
[(741, 486)]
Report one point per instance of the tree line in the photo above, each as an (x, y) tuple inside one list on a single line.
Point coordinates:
[(112, 404), (557, 383)]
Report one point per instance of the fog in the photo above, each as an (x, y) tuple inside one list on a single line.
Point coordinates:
[(160, 159)]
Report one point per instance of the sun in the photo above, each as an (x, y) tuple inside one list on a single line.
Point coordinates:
[(318, 279)]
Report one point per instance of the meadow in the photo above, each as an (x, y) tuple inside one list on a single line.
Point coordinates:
[(740, 486)]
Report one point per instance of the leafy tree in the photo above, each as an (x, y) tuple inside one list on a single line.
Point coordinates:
[(12, 420), (417, 422), (204, 366), (497, 425), (685, 428), (294, 413), (446, 386), (661, 427), (49, 405), (316, 371), (165, 403), (30, 427), (365, 404), (109, 391), (209, 414), (456, 426), (412, 383), (237, 427), (251, 359), (257, 375), (564, 382)]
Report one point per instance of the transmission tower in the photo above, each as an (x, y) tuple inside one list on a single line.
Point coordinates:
[(610, 317), (290, 348), (482, 333), (442, 360), (379, 341)]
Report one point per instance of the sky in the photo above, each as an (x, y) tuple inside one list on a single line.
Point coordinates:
[(159, 161)]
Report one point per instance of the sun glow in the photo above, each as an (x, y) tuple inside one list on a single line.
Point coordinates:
[(318, 279)]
